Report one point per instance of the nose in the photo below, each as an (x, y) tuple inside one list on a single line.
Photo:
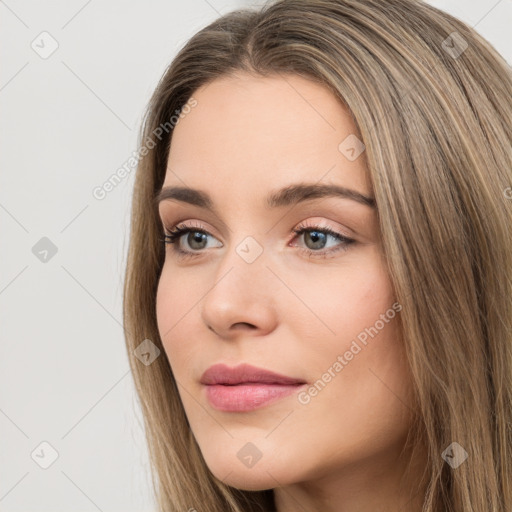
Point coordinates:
[(241, 299)]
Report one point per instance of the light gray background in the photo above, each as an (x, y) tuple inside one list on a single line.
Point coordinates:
[(68, 122)]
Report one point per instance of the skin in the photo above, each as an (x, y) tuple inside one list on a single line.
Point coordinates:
[(287, 311)]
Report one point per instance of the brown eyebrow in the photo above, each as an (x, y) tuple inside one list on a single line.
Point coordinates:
[(292, 194)]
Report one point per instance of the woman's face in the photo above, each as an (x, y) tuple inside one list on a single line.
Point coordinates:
[(312, 306)]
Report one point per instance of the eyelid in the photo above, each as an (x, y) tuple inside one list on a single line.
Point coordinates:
[(311, 223), (321, 223), (168, 209), (188, 223)]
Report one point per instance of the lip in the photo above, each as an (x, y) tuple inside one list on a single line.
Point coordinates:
[(245, 387), (243, 374)]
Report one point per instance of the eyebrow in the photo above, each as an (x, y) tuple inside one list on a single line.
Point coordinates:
[(290, 195)]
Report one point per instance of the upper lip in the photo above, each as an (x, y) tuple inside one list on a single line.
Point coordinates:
[(244, 373)]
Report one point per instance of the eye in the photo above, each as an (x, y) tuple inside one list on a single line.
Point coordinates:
[(316, 237), (197, 238)]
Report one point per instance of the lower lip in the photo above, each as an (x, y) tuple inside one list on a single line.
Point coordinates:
[(247, 397)]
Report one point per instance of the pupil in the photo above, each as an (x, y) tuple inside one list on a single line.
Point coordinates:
[(196, 237), (315, 236)]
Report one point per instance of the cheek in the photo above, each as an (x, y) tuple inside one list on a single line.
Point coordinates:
[(173, 314), (353, 348), (339, 305)]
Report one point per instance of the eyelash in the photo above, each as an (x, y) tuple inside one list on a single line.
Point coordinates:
[(175, 233)]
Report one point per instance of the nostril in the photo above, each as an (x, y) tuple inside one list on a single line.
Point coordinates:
[(244, 325)]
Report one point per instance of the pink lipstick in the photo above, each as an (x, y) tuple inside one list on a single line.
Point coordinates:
[(245, 387)]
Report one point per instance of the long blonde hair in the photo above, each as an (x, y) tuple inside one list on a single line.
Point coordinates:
[(433, 103)]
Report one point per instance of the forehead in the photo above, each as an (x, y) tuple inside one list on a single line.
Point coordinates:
[(249, 133)]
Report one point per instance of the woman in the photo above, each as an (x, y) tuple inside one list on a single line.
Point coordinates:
[(320, 249)]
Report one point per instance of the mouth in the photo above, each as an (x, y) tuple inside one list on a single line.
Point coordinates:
[(245, 387)]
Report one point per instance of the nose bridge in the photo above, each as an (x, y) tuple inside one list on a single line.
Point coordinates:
[(248, 237), (244, 266)]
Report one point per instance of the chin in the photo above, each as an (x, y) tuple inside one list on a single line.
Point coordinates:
[(263, 475), (247, 480)]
